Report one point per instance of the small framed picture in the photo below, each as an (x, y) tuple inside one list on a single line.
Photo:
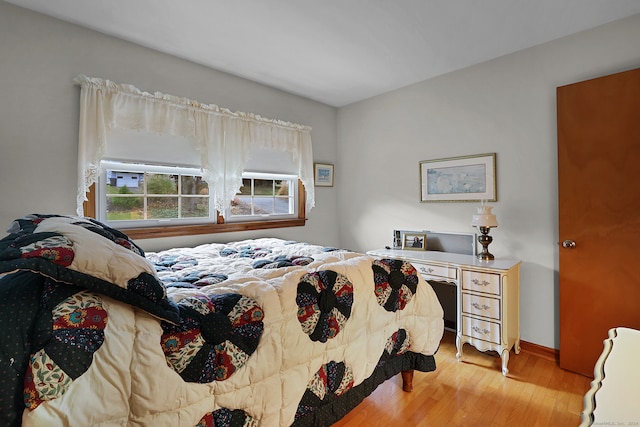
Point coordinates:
[(414, 241), (397, 239), (323, 174)]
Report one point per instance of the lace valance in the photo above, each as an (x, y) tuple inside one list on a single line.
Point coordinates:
[(223, 138)]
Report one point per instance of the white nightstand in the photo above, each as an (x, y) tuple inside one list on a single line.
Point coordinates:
[(488, 296)]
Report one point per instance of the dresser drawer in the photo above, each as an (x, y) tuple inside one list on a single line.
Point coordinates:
[(481, 306), (431, 270), (487, 331), (481, 282)]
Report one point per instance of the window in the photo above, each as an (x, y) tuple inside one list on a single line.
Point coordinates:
[(148, 201), (138, 195), (264, 195), (160, 128)]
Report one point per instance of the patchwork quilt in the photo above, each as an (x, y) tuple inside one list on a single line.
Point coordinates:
[(261, 332)]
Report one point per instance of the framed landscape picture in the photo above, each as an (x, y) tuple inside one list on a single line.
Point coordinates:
[(323, 174), (459, 179)]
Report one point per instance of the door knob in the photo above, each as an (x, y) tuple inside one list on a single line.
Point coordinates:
[(569, 244)]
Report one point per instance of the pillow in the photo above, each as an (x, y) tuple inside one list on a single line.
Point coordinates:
[(88, 254)]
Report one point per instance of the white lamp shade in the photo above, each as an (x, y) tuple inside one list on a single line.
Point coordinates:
[(484, 218)]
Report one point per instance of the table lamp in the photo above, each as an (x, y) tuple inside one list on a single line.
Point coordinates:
[(484, 220)]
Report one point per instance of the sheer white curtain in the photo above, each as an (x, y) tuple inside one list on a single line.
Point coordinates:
[(223, 138)]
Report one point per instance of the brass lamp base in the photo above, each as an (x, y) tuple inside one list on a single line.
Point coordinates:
[(484, 239)]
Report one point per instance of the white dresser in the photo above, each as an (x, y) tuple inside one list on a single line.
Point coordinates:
[(488, 296)]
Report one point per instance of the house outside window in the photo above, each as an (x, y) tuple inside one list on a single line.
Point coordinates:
[(134, 195)]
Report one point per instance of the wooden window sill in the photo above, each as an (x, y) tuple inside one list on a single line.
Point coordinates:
[(190, 230)]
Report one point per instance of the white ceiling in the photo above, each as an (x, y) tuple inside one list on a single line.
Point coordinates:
[(337, 51)]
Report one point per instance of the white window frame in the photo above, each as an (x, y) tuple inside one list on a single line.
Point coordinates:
[(101, 200), (293, 199)]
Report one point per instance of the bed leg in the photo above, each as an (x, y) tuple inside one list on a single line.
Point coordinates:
[(407, 380)]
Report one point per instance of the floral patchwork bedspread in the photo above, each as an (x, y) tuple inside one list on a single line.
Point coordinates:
[(258, 332)]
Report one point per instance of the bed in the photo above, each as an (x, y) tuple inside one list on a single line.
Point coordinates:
[(261, 332)]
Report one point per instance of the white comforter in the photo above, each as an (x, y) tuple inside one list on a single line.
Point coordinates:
[(129, 382)]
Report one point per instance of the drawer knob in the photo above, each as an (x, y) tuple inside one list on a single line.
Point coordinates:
[(480, 307), (427, 270), (480, 283)]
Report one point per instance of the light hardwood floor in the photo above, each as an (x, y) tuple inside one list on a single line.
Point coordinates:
[(473, 392)]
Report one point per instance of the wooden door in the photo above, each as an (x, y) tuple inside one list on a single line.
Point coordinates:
[(599, 209)]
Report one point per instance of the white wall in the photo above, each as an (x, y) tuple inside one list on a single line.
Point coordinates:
[(39, 57), (506, 106)]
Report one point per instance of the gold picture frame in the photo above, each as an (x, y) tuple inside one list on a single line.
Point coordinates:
[(414, 241)]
